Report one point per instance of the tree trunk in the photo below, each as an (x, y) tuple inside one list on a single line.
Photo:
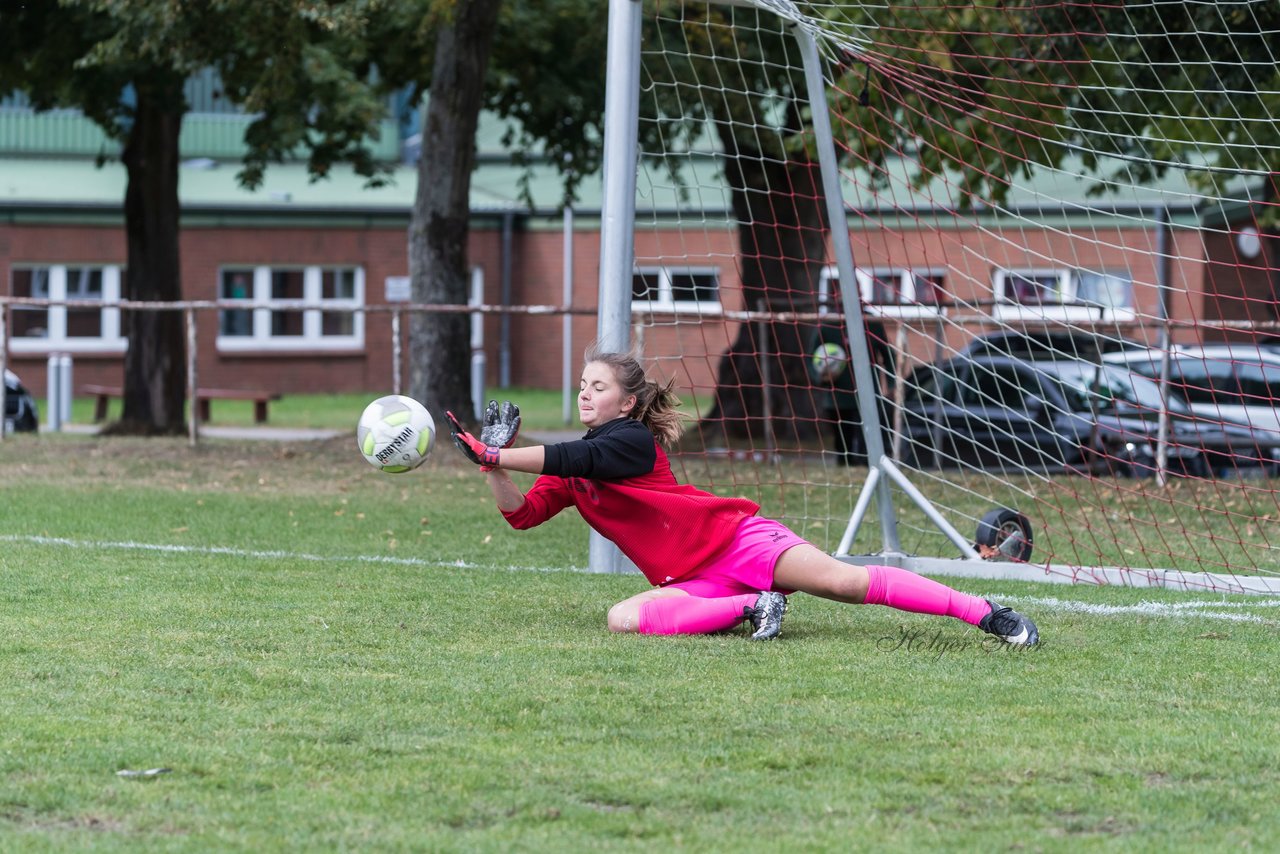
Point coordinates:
[(782, 228), (439, 344), (155, 369)]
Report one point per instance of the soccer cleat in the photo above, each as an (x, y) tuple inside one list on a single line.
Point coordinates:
[(1010, 626), (766, 615)]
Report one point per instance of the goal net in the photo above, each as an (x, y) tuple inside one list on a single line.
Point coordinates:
[(1052, 263)]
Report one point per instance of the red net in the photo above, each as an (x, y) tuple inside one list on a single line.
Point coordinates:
[(1062, 220)]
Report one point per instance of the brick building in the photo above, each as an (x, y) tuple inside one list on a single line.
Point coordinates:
[(342, 248)]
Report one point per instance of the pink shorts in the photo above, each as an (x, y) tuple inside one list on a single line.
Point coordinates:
[(746, 566)]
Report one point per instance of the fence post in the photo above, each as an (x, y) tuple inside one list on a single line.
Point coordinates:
[(566, 323), (395, 351), (64, 400), (4, 366), (766, 380), (53, 392), (193, 429), (478, 360)]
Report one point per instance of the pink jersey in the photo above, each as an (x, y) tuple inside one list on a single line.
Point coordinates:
[(666, 528)]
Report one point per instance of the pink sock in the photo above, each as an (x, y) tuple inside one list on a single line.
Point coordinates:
[(692, 615), (907, 591)]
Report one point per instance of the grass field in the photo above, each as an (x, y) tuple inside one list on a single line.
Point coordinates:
[(327, 658)]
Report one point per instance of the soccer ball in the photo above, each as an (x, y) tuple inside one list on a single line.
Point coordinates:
[(395, 433), (828, 362)]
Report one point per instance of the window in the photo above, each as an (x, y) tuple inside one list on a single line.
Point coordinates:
[(291, 308), (73, 329), (1259, 384), (30, 321), (680, 289), (1216, 382), (1064, 293), (1104, 290), (883, 287), (84, 283), (236, 285), (1036, 288), (928, 386), (895, 292), (1107, 389), (930, 288), (994, 386), (337, 287), (1191, 378), (287, 285)]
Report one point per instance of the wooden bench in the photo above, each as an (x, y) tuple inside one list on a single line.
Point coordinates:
[(204, 396)]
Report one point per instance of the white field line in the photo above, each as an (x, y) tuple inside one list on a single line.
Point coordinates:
[(1215, 608), (128, 545), (1199, 610)]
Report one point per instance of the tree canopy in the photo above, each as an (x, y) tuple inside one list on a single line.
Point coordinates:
[(302, 70), (989, 91)]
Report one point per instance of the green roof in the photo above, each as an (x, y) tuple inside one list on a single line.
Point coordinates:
[(47, 172), (67, 133), (75, 184)]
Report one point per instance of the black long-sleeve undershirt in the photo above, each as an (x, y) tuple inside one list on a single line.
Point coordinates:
[(621, 448)]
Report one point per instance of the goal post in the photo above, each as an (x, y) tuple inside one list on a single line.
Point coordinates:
[(860, 360), (617, 220), (897, 261)]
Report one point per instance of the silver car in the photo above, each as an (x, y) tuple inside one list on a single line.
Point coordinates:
[(1237, 383), (994, 412)]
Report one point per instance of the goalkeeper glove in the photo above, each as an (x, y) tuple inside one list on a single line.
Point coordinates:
[(485, 456), (501, 425)]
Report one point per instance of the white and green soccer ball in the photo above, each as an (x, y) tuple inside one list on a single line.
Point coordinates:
[(828, 362), (395, 433)]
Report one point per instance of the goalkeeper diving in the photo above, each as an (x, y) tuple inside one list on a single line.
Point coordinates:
[(714, 563)]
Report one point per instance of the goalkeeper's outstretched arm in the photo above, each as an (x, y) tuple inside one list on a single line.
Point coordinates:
[(529, 459), (506, 494)]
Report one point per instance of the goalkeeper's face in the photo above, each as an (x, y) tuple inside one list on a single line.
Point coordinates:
[(600, 397)]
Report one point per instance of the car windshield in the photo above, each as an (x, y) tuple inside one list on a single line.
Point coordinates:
[(1198, 379), (1259, 384), (1092, 387)]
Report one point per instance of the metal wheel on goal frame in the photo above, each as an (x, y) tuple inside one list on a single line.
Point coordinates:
[(1005, 533)]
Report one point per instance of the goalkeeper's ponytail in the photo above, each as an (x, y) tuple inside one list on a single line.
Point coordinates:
[(657, 406)]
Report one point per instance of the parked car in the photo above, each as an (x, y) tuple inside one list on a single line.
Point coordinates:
[(995, 412), (20, 413), (1224, 382), (1049, 344)]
